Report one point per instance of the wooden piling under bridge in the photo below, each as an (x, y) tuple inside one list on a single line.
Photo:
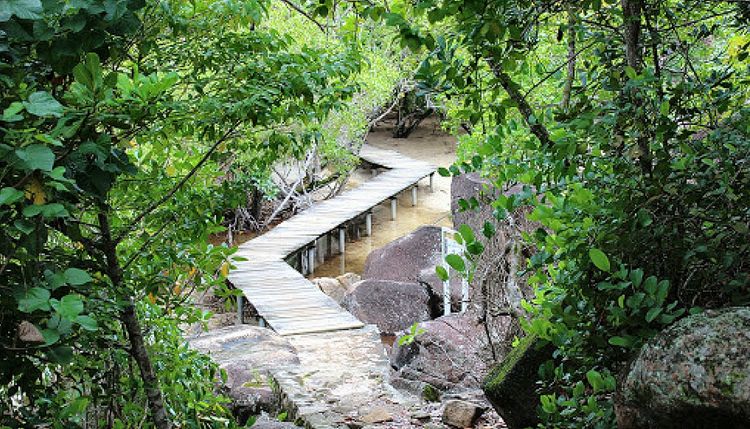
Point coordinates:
[(284, 299)]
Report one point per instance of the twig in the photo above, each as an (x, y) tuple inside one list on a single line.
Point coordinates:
[(177, 187)]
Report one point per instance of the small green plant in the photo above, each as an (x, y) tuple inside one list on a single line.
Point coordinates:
[(414, 331)]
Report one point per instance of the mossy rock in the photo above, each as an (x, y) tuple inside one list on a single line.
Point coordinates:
[(511, 386)]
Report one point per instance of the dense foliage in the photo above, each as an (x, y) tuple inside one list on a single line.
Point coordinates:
[(627, 125), (129, 130)]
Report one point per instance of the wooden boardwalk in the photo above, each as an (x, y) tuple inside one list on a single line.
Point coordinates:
[(283, 297)]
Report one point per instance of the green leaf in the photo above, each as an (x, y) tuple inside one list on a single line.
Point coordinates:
[(488, 230), (599, 259), (35, 298), (9, 196), (456, 262), (41, 103), (37, 157), (651, 315), (24, 226), (664, 108), (76, 277), (50, 336), (475, 248), (620, 341), (87, 323), (466, 233), (441, 272), (69, 307), (11, 113), (62, 354), (630, 71), (444, 172), (636, 277), (22, 9)]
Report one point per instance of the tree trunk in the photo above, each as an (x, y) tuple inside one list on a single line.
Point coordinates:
[(133, 328), (571, 72), (631, 13), (257, 204), (140, 354), (533, 121)]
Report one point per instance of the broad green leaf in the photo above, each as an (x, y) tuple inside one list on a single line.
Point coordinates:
[(76, 277), (651, 315), (475, 248), (35, 298), (620, 341), (50, 336), (37, 157), (664, 108), (42, 103), (599, 259), (630, 71), (22, 9), (62, 355), (488, 230), (11, 113), (466, 233), (456, 262), (441, 272), (69, 307), (87, 323), (49, 211), (636, 277), (444, 172), (9, 196)]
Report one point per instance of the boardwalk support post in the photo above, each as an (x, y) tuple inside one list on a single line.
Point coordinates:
[(394, 206), (464, 295), (368, 224), (414, 196), (447, 282), (240, 309), (320, 245), (342, 240), (311, 260)]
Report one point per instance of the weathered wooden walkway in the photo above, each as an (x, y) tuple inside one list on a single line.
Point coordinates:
[(283, 297)]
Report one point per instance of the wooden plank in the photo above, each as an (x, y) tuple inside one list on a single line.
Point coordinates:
[(282, 296)]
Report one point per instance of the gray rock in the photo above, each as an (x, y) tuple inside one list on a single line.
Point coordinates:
[(348, 280), (245, 353), (511, 386), (412, 258), (377, 415), (331, 287), (274, 425), (461, 414), (392, 306), (496, 284), (694, 374), (450, 354)]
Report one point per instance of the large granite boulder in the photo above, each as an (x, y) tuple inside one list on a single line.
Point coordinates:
[(449, 354), (247, 353), (496, 289), (511, 386), (331, 287), (392, 306), (694, 374), (412, 258)]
